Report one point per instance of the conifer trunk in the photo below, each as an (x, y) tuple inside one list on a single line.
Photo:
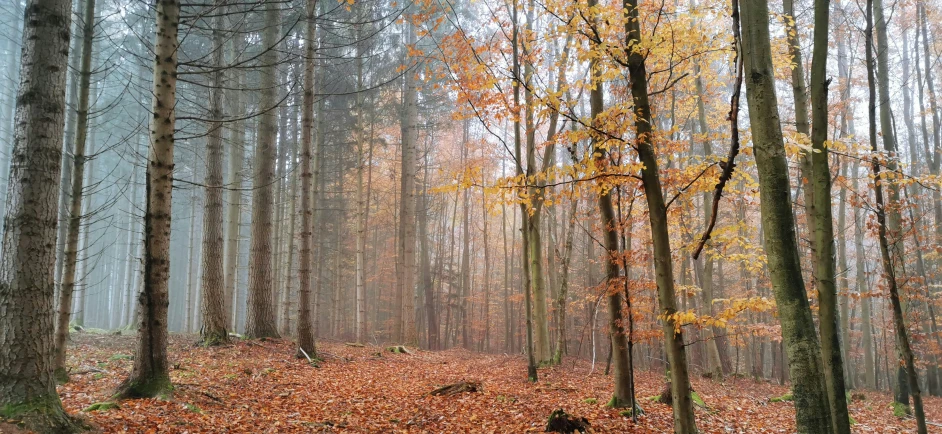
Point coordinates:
[(150, 375), (27, 262), (214, 330), (306, 343), (261, 313), (74, 226)]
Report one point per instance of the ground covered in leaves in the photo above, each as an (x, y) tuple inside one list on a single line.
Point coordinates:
[(259, 387)]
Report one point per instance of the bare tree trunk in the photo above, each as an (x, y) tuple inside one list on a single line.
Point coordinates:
[(657, 214), (261, 316), (150, 375), (191, 262), (234, 195), (27, 286), (410, 132), (825, 275), (77, 186), (425, 263), (532, 375), (778, 224), (889, 222), (214, 330), (306, 342)]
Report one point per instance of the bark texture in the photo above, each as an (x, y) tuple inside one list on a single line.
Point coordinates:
[(778, 224), (74, 227), (261, 321), (215, 325), (27, 385), (150, 375)]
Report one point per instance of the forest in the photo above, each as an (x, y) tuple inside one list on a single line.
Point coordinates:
[(299, 216)]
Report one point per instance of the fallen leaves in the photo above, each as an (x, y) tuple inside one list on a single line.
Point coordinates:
[(262, 388)]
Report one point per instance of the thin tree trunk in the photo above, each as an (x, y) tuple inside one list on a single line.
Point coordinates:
[(825, 275), (77, 186), (657, 213), (150, 375), (889, 224), (234, 195), (306, 343), (409, 130)]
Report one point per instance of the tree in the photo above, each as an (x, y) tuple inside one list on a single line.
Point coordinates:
[(825, 274), (261, 316), (306, 344), (657, 215), (76, 196), (889, 250), (409, 133), (778, 223), (214, 330), (150, 375), (27, 383)]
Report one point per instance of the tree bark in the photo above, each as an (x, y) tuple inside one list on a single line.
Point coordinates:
[(234, 195), (214, 330), (410, 134), (261, 316), (657, 214), (778, 225), (825, 275), (306, 343), (150, 375), (75, 197), (27, 286)]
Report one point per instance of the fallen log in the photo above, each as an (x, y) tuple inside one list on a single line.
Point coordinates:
[(456, 388)]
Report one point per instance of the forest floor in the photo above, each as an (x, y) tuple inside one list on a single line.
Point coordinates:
[(260, 387)]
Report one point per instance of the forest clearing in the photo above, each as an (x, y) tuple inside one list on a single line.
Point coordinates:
[(252, 387)]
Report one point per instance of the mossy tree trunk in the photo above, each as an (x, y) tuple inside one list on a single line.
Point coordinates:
[(825, 273), (778, 224)]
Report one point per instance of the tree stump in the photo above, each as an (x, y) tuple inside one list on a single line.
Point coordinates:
[(561, 422)]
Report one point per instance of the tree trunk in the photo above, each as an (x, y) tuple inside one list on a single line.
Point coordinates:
[(825, 275), (150, 375), (306, 343), (410, 134), (889, 222), (532, 374), (778, 225), (214, 330), (27, 286), (234, 195), (657, 213), (261, 316), (425, 264), (75, 202)]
